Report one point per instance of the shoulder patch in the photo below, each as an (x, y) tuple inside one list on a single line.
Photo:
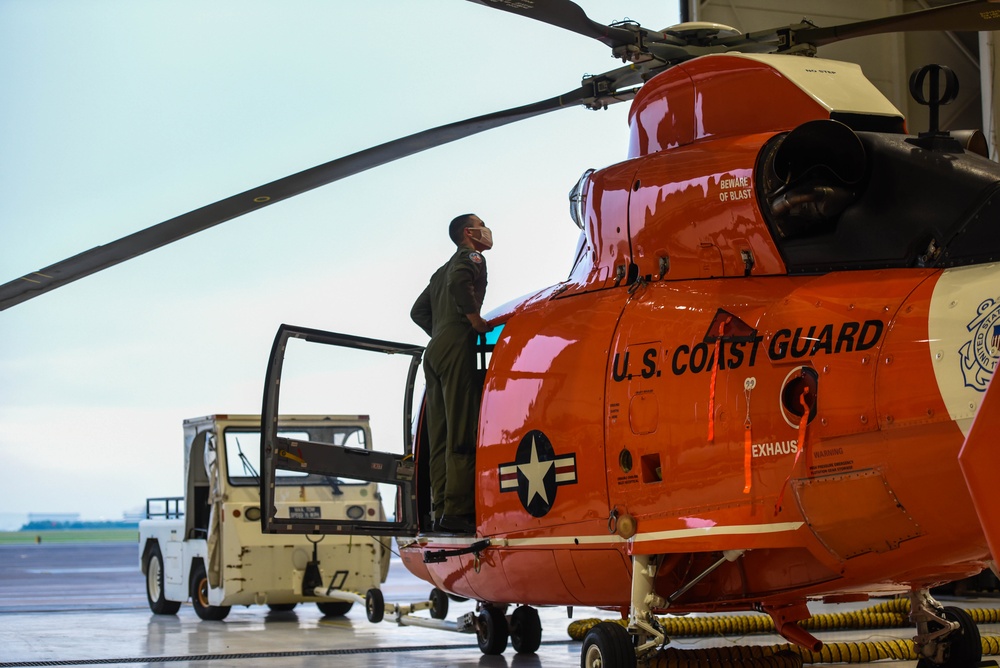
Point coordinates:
[(476, 257)]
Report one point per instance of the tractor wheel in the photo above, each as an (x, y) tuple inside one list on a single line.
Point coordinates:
[(154, 585), (199, 597), (334, 608)]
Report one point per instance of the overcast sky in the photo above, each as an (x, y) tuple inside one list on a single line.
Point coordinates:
[(118, 114)]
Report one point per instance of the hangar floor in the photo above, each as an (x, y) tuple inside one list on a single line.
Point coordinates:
[(85, 605)]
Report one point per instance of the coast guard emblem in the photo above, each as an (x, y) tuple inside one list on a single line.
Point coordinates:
[(979, 354)]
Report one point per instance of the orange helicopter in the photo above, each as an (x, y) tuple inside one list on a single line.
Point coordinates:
[(765, 380)]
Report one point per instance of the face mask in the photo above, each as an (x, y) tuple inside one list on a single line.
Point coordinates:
[(484, 237)]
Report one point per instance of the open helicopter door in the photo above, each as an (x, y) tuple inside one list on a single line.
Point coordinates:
[(335, 374)]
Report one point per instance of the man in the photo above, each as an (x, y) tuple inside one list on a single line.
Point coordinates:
[(448, 310)]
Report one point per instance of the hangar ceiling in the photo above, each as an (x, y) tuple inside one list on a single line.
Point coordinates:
[(887, 60)]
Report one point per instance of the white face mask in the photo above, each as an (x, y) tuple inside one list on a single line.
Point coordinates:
[(483, 236)]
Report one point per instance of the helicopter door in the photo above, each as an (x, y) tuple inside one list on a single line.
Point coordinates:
[(328, 373)]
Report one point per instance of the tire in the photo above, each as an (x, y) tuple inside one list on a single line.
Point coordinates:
[(439, 604), (375, 605), (154, 584), (281, 607), (607, 645), (525, 630), (964, 645), (491, 631), (334, 608), (199, 596)]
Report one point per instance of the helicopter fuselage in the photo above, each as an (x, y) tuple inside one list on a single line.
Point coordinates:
[(771, 345)]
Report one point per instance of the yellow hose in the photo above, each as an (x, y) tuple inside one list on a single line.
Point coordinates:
[(892, 613)]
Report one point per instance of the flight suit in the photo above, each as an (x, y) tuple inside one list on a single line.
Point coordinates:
[(454, 390)]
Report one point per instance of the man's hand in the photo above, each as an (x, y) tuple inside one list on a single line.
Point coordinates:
[(478, 323)]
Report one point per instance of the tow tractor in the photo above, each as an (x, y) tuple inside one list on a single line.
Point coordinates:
[(208, 546)]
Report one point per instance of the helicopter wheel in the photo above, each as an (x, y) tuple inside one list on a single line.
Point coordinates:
[(491, 630), (607, 645), (439, 604), (374, 605), (964, 647), (525, 630)]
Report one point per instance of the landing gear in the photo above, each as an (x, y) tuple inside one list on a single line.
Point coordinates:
[(490, 622), (642, 624), (491, 630), (607, 645), (525, 630), (947, 637)]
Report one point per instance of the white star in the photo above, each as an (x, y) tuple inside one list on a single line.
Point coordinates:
[(535, 472)]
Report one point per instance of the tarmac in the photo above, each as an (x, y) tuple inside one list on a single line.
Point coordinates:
[(85, 604)]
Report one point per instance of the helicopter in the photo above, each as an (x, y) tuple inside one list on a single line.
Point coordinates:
[(765, 380)]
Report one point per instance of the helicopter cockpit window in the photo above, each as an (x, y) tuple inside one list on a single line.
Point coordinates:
[(485, 345), (243, 453)]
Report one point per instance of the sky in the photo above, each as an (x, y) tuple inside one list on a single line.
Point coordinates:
[(118, 115)]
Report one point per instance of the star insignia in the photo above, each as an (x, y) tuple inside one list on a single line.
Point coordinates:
[(536, 472)]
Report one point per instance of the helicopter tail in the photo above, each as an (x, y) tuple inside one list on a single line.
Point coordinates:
[(979, 460)]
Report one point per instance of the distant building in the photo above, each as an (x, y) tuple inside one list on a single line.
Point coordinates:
[(55, 518)]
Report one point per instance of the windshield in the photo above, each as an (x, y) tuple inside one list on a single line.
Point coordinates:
[(243, 453)]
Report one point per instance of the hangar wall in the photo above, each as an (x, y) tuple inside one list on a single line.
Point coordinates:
[(887, 60)]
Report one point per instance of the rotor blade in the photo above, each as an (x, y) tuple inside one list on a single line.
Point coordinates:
[(151, 238), (564, 14), (973, 16)]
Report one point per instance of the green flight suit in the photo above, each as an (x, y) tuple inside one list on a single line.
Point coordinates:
[(454, 390)]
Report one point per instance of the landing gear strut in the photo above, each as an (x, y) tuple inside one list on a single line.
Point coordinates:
[(603, 646), (642, 624), (947, 637)]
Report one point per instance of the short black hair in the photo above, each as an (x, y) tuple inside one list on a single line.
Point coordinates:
[(458, 225)]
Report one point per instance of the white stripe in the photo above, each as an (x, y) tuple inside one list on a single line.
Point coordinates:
[(736, 530), (566, 477), (614, 539)]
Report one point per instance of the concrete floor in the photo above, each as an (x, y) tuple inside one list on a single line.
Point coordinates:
[(85, 605)]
